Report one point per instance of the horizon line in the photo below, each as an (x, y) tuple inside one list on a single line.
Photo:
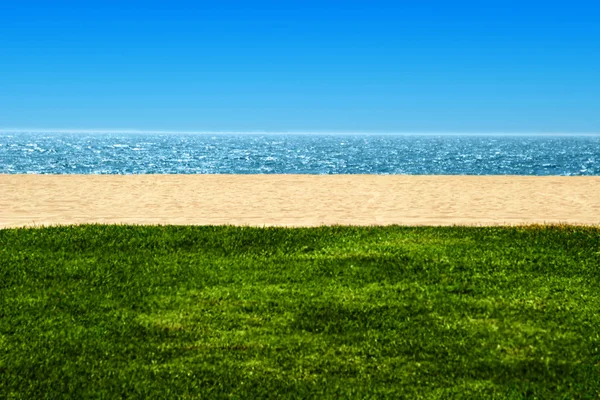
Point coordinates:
[(302, 132)]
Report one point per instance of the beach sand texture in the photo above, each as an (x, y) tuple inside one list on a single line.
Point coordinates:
[(297, 200)]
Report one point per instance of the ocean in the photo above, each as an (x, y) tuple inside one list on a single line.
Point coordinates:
[(170, 153)]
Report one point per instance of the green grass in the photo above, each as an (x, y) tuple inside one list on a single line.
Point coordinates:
[(334, 312)]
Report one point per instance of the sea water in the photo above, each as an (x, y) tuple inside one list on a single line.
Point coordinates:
[(152, 153)]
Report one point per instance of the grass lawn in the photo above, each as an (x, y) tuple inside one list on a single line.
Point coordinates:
[(333, 312)]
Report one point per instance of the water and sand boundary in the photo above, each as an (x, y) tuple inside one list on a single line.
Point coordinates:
[(297, 200)]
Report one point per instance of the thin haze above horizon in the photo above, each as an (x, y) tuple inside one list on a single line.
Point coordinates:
[(327, 66)]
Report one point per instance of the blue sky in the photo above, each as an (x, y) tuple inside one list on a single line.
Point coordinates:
[(344, 66)]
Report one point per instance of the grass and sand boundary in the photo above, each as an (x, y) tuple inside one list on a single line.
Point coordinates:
[(112, 311)]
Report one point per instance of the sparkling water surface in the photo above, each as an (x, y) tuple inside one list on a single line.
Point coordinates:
[(146, 153)]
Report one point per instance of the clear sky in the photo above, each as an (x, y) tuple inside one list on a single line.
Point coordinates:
[(361, 66)]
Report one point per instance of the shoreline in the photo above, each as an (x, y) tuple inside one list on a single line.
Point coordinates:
[(298, 200)]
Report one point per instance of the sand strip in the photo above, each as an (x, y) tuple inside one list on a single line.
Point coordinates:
[(297, 200)]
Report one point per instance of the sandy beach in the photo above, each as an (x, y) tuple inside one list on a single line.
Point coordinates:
[(297, 200)]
